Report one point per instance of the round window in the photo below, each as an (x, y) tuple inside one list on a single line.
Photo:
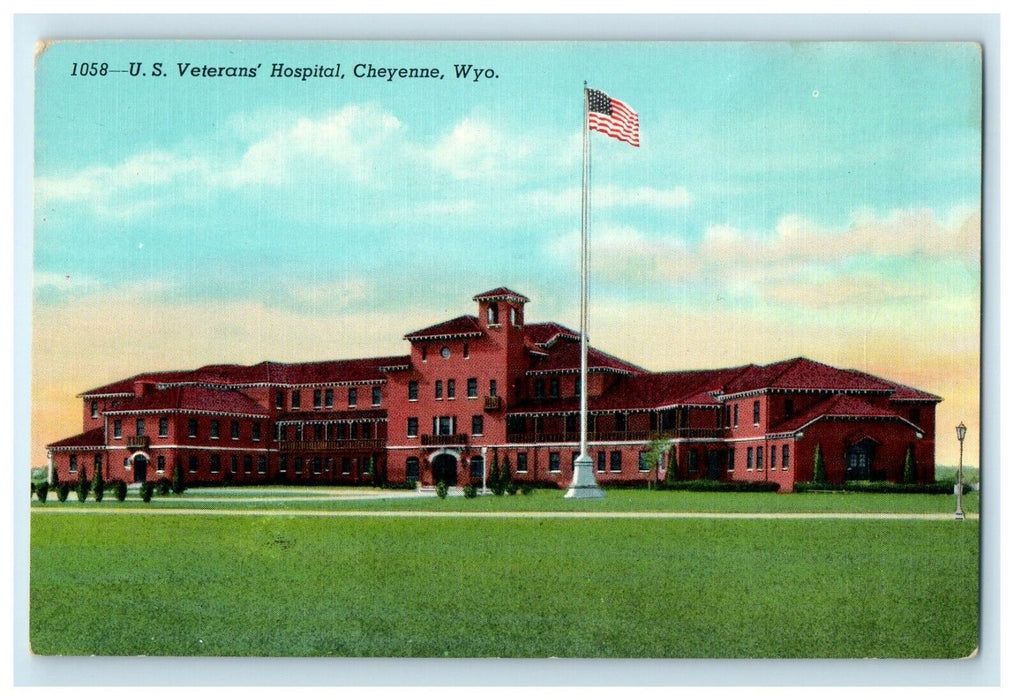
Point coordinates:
[(445, 352)]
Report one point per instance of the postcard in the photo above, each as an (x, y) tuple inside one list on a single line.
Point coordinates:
[(576, 349)]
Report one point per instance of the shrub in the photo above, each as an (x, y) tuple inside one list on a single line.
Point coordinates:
[(62, 491), (120, 490), (55, 482), (672, 475), (818, 466), (178, 483), (146, 491), (83, 486), (506, 480), (720, 486), (442, 489), (163, 486), (470, 491), (41, 491), (909, 466), (937, 488), (495, 485), (98, 485), (526, 489), (512, 488)]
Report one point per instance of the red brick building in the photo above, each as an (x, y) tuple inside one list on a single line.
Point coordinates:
[(488, 387)]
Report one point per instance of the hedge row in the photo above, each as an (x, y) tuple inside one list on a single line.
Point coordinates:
[(937, 488)]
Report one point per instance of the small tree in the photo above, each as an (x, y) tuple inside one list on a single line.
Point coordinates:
[(120, 490), (442, 489), (910, 476), (495, 484), (55, 480), (654, 451), (819, 466), (83, 486), (146, 491), (672, 475), (177, 484), (506, 480), (41, 491), (98, 485), (62, 491)]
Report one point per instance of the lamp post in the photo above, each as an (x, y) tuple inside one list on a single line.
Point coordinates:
[(959, 513)]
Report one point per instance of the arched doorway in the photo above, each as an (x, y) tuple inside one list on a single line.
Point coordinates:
[(444, 468), (139, 467)]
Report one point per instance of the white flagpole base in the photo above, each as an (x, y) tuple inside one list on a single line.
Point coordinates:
[(583, 483)]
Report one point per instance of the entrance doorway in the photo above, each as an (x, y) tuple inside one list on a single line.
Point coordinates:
[(444, 468), (139, 467), (859, 460)]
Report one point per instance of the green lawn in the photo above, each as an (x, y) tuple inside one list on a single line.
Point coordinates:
[(375, 586)]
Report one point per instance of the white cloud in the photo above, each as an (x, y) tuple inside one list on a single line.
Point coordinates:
[(476, 149), (611, 197)]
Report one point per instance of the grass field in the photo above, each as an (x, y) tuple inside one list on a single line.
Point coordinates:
[(539, 587)]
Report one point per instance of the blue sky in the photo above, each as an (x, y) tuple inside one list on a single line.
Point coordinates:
[(815, 199)]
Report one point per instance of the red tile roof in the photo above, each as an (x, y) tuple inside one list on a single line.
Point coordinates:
[(564, 357), (275, 373), (800, 373), (90, 438), (837, 407), (192, 398), (499, 293), (545, 333), (464, 326)]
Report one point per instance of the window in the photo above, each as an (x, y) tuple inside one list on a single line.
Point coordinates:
[(318, 431), (342, 431), (755, 413), (514, 316), (73, 464), (248, 464), (522, 462), (492, 387), (726, 419), (317, 465), (619, 422), (95, 409), (117, 429), (299, 466), (464, 351), (475, 465), (193, 428), (279, 400), (283, 464), (476, 425), (735, 414), (445, 352), (601, 461), (751, 456), (296, 399), (451, 389), (413, 391), (317, 399), (233, 464), (692, 461), (214, 430), (786, 456), (256, 432), (492, 315), (615, 461), (572, 423), (193, 464), (670, 419), (377, 395), (425, 353), (329, 398), (758, 459), (235, 430), (352, 397), (261, 464), (577, 385), (214, 464), (161, 464), (473, 388), (366, 431), (164, 427), (554, 387), (643, 461), (345, 465), (554, 462), (772, 458), (444, 425), (439, 389), (412, 427), (540, 389), (140, 427), (731, 458)]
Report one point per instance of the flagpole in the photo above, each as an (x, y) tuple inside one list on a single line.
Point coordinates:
[(583, 481)]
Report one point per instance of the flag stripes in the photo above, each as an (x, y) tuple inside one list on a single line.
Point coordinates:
[(612, 117)]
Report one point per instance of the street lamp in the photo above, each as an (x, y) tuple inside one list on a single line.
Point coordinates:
[(959, 513)]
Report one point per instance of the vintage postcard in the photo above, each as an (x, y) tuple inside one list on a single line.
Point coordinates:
[(509, 349)]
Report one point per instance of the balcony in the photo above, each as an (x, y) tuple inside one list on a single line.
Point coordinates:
[(493, 403), (620, 435), (138, 442), (459, 439), (327, 445)]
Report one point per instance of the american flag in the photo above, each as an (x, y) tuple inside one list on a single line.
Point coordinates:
[(612, 117)]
